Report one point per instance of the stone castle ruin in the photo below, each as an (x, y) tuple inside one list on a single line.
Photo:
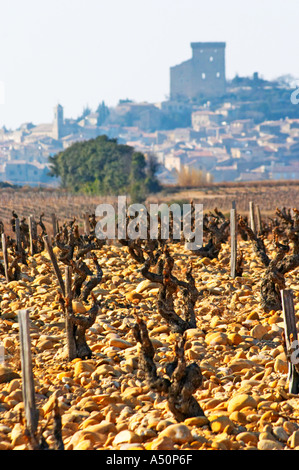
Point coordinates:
[(201, 76)]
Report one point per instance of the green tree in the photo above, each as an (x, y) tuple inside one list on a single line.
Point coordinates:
[(102, 166)]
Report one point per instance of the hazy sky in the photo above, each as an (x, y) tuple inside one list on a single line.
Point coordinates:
[(80, 52)]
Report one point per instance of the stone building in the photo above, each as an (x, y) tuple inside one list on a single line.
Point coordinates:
[(201, 76)]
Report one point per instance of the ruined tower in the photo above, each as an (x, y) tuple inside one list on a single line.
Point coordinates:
[(58, 122), (201, 76)]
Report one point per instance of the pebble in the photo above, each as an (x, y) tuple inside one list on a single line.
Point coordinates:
[(163, 424), (193, 333), (290, 427), (17, 435), (49, 405), (238, 364), (126, 436), (234, 338), (7, 374), (248, 437), (280, 433), (119, 343), (134, 297), (83, 366), (146, 285), (197, 421), (221, 423), (45, 344), (85, 444), (267, 435), (238, 417), (293, 440), (83, 435), (105, 402), (78, 307), (179, 433), (216, 338), (88, 404), (104, 427), (240, 401), (267, 444), (258, 331), (161, 443)]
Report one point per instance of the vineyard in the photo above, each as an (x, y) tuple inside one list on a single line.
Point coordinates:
[(268, 195), (144, 344)]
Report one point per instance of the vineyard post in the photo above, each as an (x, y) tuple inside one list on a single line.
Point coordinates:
[(290, 337), (251, 216), (233, 242), (259, 220), (31, 234), (5, 257), (31, 413), (54, 263)]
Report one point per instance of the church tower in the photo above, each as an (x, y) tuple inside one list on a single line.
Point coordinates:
[(58, 122)]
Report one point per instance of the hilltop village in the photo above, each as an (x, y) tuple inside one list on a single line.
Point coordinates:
[(242, 129)]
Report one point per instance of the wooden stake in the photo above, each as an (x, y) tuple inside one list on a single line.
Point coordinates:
[(31, 413), (233, 243), (291, 338), (251, 214), (86, 224), (259, 220), (54, 263), (5, 256), (31, 234)]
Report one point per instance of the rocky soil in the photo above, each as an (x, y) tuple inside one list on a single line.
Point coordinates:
[(105, 403)]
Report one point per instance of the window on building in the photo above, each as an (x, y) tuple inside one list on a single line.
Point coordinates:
[(211, 58), (203, 76), (218, 74)]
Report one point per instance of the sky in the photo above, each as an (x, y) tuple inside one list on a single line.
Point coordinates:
[(81, 52)]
